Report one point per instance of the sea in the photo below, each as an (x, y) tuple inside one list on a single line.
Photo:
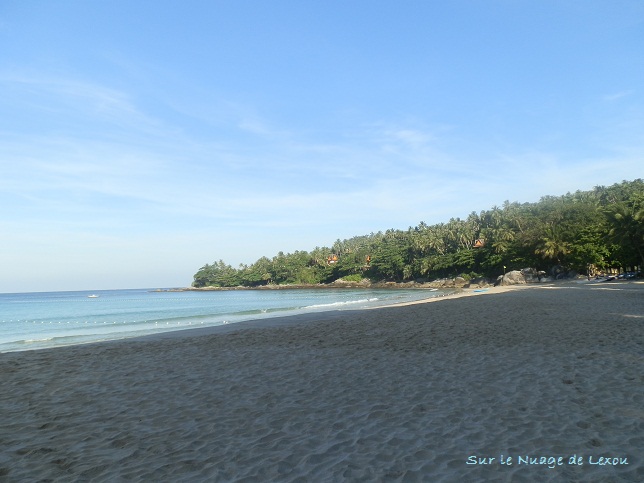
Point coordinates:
[(42, 320)]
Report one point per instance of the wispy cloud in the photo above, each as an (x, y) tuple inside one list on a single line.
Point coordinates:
[(378, 173), (618, 95), (131, 178), (61, 104)]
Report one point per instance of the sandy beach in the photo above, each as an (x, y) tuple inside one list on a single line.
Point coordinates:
[(502, 385)]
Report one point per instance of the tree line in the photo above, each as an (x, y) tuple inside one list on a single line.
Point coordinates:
[(582, 231)]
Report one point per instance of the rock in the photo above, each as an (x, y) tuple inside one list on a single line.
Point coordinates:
[(459, 282), (515, 277), (530, 274), (480, 282), (557, 270), (440, 283)]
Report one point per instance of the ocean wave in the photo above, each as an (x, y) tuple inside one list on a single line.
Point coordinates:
[(33, 341), (61, 341), (340, 304), (119, 317)]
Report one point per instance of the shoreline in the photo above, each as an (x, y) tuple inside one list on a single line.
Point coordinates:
[(324, 315), (316, 286), (405, 392), (327, 315), (284, 320), (250, 318)]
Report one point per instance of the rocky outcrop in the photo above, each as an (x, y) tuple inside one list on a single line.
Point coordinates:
[(460, 282), (443, 283), (515, 277), (532, 275), (559, 272), (365, 282), (480, 282)]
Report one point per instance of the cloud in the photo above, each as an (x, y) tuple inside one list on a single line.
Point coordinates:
[(382, 173), (82, 108), (102, 173), (618, 95)]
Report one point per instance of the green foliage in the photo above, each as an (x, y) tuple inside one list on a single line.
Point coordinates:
[(603, 227), (352, 278), (626, 221), (391, 257), (217, 275)]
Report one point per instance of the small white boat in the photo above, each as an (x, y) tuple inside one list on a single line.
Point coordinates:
[(92, 296)]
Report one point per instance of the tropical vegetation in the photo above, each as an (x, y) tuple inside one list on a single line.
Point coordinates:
[(584, 231)]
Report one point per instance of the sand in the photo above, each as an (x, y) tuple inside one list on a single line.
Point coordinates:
[(408, 393)]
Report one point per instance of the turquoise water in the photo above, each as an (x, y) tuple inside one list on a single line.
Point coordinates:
[(50, 319)]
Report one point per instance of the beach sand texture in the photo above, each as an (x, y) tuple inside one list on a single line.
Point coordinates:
[(393, 394)]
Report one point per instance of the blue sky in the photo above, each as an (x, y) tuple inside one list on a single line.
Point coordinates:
[(141, 140)]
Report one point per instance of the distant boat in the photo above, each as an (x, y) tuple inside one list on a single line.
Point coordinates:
[(92, 296)]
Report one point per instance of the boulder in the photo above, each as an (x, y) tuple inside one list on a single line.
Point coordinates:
[(515, 277), (530, 274), (442, 283), (459, 282), (479, 282), (557, 270)]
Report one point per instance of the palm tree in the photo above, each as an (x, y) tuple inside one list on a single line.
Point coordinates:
[(552, 246), (496, 231), (627, 226)]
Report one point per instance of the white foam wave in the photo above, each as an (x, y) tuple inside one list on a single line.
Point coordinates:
[(339, 304)]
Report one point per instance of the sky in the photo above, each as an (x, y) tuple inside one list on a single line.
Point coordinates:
[(141, 140)]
